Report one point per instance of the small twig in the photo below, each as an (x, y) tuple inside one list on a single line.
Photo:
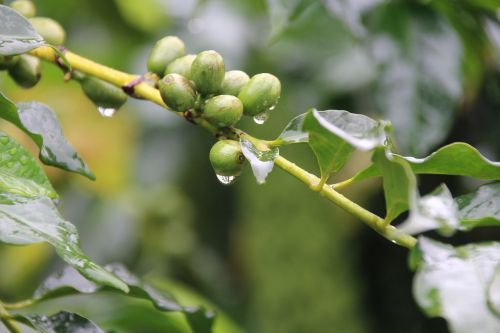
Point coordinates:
[(5, 318), (145, 91)]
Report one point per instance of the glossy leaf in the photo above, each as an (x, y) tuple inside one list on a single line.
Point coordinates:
[(480, 208), (20, 174), (34, 220), (420, 81), (41, 124), (16, 33), (261, 161), (334, 134), (69, 282), (399, 182), (456, 159), (494, 292), (439, 210), (283, 13), (453, 282), (293, 132), (436, 210), (62, 322)]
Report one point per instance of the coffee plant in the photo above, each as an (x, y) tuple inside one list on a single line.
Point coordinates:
[(458, 283)]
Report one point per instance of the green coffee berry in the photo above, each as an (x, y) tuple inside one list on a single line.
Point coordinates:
[(260, 94), (223, 110), (27, 71), (164, 52), (177, 92), (227, 158), (50, 30), (7, 62), (102, 93), (207, 72), (25, 7), (233, 82), (181, 66)]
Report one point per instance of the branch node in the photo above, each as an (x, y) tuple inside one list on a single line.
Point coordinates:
[(129, 88), (189, 116)]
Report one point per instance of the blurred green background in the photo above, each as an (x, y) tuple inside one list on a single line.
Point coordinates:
[(277, 257)]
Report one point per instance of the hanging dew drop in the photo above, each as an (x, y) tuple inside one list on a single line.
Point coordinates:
[(261, 118), (106, 112), (226, 180)]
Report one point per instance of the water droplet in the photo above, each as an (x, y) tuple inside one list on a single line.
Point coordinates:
[(4, 140), (106, 112), (261, 118), (226, 180), (13, 151), (24, 160)]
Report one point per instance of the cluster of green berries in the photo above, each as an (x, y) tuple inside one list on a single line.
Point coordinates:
[(25, 69), (200, 84)]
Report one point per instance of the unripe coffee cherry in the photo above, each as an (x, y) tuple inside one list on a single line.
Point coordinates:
[(233, 82), (164, 52), (27, 71), (181, 66), (223, 110), (177, 92), (260, 94), (227, 158), (50, 30), (102, 93), (207, 72), (7, 62), (24, 7)]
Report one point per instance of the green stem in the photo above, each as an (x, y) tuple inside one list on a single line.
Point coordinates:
[(5, 318), (148, 92), (370, 219), (19, 305)]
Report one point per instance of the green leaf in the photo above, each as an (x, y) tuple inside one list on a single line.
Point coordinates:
[(439, 210), (41, 124), (293, 132), (452, 283), (20, 174), (456, 159), (436, 210), (399, 182), (261, 161), (62, 322), (492, 5), (480, 208), (283, 12), (334, 134), (420, 82), (16, 33), (494, 292), (34, 220), (69, 282)]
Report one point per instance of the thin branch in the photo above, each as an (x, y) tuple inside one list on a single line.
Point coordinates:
[(8, 323), (148, 92)]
